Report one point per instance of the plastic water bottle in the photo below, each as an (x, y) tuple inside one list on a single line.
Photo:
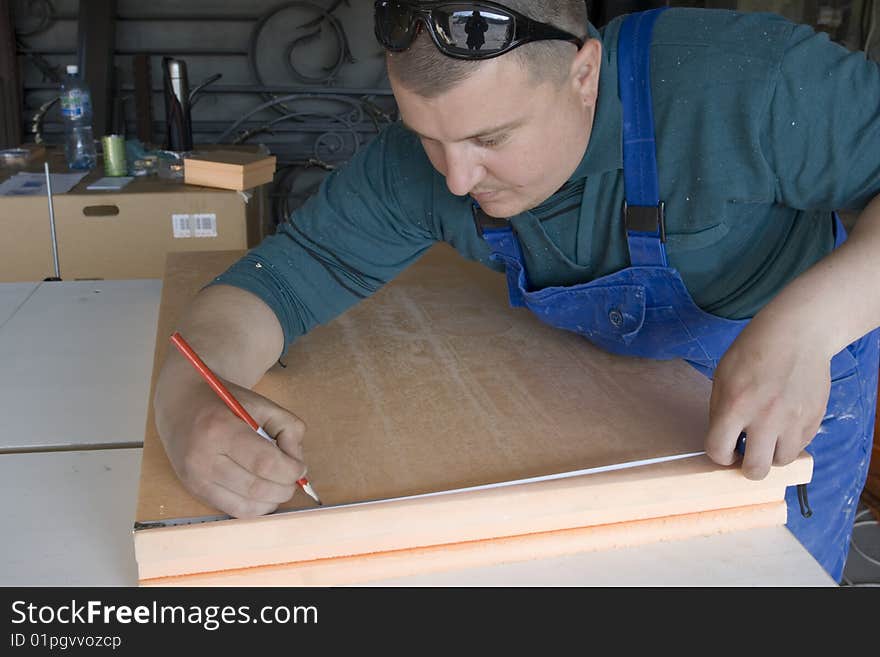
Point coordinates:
[(76, 110)]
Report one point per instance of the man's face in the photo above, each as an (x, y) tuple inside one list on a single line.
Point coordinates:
[(508, 142)]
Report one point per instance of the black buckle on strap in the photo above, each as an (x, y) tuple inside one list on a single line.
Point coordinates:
[(645, 219), (483, 221), (803, 502)]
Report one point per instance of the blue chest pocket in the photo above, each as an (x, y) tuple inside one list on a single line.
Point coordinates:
[(611, 314)]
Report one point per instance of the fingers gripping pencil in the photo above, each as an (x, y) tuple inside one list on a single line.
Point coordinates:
[(233, 404)]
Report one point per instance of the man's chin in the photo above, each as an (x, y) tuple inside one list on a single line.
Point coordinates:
[(501, 208)]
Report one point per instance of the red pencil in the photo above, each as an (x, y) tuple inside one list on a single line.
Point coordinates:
[(231, 401)]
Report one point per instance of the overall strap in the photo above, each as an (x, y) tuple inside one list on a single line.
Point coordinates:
[(642, 210), (505, 248)]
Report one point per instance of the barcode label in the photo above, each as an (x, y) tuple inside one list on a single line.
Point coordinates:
[(181, 225), (205, 225), (194, 225)]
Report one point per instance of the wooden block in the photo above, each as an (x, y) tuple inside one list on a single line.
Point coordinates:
[(435, 384), (235, 170)]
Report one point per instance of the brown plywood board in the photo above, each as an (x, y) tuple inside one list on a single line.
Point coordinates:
[(435, 383)]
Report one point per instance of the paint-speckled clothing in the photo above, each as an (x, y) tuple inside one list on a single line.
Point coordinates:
[(758, 139)]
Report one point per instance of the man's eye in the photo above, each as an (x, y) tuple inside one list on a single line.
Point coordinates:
[(491, 142)]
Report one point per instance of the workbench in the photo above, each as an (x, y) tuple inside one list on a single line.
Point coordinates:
[(77, 357)]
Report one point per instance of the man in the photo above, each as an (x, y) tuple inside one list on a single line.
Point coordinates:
[(476, 27), (653, 187)]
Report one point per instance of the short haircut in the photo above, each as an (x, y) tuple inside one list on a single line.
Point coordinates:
[(426, 71)]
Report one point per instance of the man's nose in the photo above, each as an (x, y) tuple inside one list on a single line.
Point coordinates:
[(463, 170)]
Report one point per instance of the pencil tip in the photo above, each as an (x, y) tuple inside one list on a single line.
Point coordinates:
[(307, 487)]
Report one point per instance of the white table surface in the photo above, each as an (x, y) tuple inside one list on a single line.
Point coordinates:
[(76, 359), (68, 514), (12, 295), (68, 517)]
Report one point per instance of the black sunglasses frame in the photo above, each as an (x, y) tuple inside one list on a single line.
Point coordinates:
[(526, 30)]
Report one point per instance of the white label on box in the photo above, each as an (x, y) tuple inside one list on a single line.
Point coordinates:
[(194, 225), (205, 225), (181, 225)]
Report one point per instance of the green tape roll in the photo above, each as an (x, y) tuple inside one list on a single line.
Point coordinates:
[(114, 155)]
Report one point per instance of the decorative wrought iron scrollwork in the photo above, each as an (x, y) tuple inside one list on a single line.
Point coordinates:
[(324, 17), (39, 12), (31, 18), (353, 114), (339, 134)]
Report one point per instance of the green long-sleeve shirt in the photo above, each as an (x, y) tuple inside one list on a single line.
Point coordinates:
[(763, 128)]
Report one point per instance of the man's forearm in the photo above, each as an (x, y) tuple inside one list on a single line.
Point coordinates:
[(235, 333), (835, 302), (214, 454)]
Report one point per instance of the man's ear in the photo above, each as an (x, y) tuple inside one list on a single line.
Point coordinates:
[(584, 72)]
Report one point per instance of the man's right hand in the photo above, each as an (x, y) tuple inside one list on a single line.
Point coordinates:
[(219, 458), (216, 455)]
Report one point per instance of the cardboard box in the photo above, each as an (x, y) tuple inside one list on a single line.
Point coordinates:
[(229, 169), (123, 234)]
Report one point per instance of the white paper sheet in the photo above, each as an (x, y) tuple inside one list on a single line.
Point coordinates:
[(34, 184)]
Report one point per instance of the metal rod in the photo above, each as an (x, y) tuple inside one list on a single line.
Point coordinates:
[(52, 221)]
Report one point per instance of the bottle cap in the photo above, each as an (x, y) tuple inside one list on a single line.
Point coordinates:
[(72, 69)]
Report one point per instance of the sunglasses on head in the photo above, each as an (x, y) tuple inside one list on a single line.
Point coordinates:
[(464, 30)]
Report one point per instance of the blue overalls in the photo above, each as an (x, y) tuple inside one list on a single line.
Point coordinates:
[(645, 310)]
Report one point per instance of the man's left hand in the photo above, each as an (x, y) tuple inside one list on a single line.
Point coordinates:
[(773, 384)]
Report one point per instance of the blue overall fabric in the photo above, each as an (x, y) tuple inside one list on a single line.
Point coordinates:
[(645, 310)]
